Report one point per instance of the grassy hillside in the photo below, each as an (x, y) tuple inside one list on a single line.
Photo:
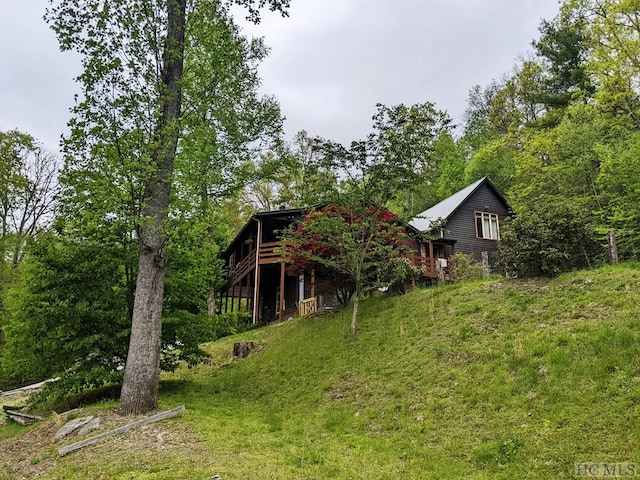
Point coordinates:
[(496, 379)]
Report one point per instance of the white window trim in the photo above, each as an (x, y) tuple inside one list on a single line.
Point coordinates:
[(486, 216)]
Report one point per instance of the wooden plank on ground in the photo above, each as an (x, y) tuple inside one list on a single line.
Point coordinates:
[(21, 418), (8, 408), (15, 411), (17, 419), (125, 428), (28, 388)]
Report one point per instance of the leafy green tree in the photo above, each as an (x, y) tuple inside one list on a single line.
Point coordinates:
[(563, 162), (619, 182), (59, 284), (290, 176), (452, 162), (195, 271), (612, 28), (516, 103), (69, 315), (495, 160), (496, 118), (563, 47), (403, 143), (478, 128), (304, 181), (27, 201), (149, 84)]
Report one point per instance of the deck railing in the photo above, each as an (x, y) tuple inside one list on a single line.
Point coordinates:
[(428, 265), (268, 254), (307, 306), (243, 267)]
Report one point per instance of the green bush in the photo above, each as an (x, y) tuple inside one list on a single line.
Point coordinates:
[(549, 239), (399, 275), (69, 317), (462, 267), (231, 323), (67, 314)]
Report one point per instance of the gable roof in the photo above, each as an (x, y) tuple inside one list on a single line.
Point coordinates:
[(450, 205)]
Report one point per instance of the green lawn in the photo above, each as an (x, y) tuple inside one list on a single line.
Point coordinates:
[(498, 379)]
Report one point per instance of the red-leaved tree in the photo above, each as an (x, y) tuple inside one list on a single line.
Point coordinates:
[(358, 247)]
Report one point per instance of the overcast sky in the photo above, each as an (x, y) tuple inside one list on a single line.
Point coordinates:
[(331, 61)]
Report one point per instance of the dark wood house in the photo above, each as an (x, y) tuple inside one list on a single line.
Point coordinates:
[(259, 281), (470, 216)]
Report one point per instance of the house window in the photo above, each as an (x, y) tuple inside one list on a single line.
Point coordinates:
[(487, 226)]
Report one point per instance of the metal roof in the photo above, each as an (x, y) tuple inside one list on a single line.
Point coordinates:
[(445, 208)]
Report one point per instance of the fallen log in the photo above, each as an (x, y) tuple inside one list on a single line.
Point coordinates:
[(125, 428), (20, 417), (9, 408), (27, 388)]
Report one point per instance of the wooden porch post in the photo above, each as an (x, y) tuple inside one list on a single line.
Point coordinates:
[(256, 281), (239, 299), (281, 312), (226, 301), (250, 286), (313, 282), (255, 318), (432, 261)]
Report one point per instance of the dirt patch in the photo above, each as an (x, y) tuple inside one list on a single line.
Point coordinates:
[(35, 452), (529, 284), (32, 453), (345, 388)]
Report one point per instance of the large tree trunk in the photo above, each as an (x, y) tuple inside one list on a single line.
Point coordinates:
[(142, 371)]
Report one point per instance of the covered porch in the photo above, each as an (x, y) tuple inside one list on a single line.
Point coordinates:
[(258, 281), (432, 257)]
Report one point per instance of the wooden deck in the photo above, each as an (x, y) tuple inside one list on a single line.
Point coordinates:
[(243, 267), (267, 255), (427, 265)]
